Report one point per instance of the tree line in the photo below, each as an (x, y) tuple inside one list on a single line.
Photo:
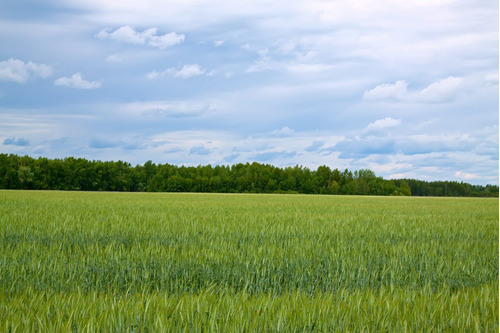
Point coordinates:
[(25, 172)]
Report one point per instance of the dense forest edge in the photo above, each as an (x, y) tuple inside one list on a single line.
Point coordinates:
[(79, 174)]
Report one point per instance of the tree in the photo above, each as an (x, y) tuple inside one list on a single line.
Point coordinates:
[(363, 180), (80, 174), (347, 182), (323, 177), (404, 189), (25, 176)]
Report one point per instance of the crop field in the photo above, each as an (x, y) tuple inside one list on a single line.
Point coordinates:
[(163, 262)]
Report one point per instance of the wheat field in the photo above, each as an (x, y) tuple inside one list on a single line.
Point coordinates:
[(164, 262)]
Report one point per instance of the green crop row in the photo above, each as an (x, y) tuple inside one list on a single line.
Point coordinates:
[(384, 310), (214, 262)]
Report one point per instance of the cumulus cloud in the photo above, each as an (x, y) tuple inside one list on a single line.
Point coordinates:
[(383, 124), (387, 91), (436, 92), (465, 175), (114, 58), (18, 71), (316, 59), (167, 40), (76, 81), (189, 71), (440, 91), (154, 75), (185, 72), (218, 43), (127, 34)]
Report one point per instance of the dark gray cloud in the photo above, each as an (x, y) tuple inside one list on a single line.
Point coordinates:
[(102, 143), (20, 142), (406, 145), (315, 146), (199, 150)]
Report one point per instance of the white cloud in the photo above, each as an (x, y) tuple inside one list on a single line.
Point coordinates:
[(384, 124), (441, 90), (263, 63), (282, 132), (18, 71), (412, 154), (289, 58), (216, 147), (317, 59), (185, 72), (126, 34), (218, 43), (114, 58), (157, 111), (386, 91), (173, 109), (149, 37), (437, 92), (76, 81), (167, 40), (154, 75), (465, 175)]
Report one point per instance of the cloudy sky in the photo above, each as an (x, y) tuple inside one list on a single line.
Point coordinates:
[(404, 88)]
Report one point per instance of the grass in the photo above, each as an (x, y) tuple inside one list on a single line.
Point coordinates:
[(79, 261)]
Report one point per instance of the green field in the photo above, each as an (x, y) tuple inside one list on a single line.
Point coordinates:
[(154, 262)]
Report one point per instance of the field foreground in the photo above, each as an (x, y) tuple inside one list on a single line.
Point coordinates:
[(80, 261)]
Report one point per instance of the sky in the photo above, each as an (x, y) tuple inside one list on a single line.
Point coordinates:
[(408, 89)]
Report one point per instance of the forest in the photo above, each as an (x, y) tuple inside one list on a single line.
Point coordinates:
[(79, 174)]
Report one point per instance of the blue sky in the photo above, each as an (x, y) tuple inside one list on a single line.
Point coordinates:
[(404, 88)]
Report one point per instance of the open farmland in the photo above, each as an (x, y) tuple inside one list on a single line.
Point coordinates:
[(80, 261)]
